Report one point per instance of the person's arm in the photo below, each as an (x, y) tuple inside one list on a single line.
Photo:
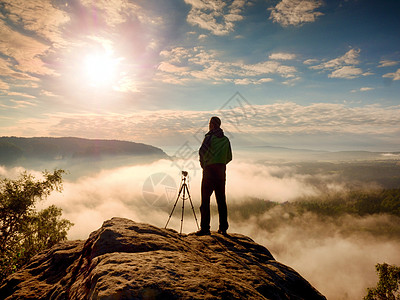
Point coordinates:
[(229, 156), (203, 149)]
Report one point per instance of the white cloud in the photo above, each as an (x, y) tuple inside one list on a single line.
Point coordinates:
[(116, 12), (329, 252), (182, 65), (295, 12), (394, 76), (282, 56), (48, 94), (348, 72), (279, 123), (4, 85), (21, 103), (317, 249), (247, 81), (25, 50), (343, 66), (364, 89), (40, 17), (21, 95), (387, 63), (6, 70), (349, 58), (119, 192), (170, 68), (17, 104), (310, 61), (216, 15)]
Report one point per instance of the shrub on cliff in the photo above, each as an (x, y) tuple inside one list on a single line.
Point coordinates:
[(388, 287), (24, 231)]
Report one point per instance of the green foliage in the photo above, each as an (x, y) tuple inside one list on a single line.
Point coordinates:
[(25, 231), (388, 287), (359, 203)]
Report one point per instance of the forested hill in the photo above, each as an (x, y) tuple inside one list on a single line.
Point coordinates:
[(15, 148)]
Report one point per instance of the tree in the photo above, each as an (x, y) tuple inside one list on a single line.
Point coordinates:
[(25, 231), (388, 284)]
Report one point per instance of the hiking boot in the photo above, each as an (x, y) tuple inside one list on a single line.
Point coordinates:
[(223, 232), (202, 232)]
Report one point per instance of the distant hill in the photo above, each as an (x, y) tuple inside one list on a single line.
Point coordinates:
[(14, 149)]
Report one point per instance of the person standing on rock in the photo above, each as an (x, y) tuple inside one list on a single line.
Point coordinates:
[(215, 152)]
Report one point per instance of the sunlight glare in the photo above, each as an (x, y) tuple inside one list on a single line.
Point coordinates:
[(100, 69)]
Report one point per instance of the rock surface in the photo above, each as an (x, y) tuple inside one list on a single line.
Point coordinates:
[(128, 260)]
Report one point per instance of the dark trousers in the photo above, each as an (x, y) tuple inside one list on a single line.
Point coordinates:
[(214, 177)]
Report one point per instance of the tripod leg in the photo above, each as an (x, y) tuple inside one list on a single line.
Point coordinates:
[(177, 198), (183, 205), (191, 203)]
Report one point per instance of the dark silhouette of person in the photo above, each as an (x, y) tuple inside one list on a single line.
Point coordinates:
[(215, 152)]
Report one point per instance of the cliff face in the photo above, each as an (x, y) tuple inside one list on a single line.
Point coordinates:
[(128, 260)]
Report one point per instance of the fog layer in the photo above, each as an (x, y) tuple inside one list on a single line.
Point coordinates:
[(337, 255)]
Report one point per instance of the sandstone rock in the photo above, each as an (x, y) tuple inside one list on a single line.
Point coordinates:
[(128, 260)]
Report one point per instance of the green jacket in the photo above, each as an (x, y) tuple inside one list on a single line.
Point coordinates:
[(215, 149)]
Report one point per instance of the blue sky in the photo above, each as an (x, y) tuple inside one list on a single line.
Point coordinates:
[(310, 74)]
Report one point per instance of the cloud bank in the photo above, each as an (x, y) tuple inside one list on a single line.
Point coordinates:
[(182, 65), (295, 12), (329, 252), (254, 124), (343, 66), (217, 16)]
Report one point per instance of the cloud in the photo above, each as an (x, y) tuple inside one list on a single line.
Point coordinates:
[(39, 17), (282, 56), (21, 95), (327, 251), (215, 16), (343, 66), (7, 70), (319, 247), (48, 94), (17, 104), (349, 58), (120, 191), (295, 12), (324, 117), (115, 12), (348, 72), (4, 85), (247, 81), (25, 50), (310, 61), (394, 76), (284, 123), (21, 104), (170, 68), (363, 89), (387, 63), (182, 65)]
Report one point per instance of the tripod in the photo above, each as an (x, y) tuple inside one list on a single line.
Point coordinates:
[(185, 190)]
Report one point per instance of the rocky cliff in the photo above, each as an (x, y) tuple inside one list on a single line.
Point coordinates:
[(128, 260)]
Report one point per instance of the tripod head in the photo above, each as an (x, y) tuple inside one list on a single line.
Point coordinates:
[(184, 173)]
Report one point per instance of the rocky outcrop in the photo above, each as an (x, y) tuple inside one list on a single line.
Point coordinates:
[(128, 260)]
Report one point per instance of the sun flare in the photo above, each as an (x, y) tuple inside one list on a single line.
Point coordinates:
[(100, 70)]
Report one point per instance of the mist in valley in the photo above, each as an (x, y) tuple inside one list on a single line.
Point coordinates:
[(336, 251)]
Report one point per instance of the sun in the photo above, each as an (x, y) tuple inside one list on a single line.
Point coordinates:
[(100, 69)]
